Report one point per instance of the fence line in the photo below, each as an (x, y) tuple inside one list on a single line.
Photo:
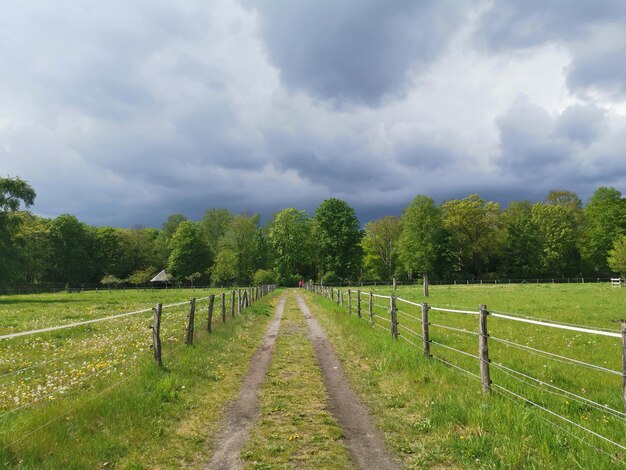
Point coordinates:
[(485, 361)]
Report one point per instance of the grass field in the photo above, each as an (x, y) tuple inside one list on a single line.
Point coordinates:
[(499, 426), (96, 389)]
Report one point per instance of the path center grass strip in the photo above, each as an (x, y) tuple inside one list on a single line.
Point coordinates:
[(432, 416), (296, 428), (154, 418)]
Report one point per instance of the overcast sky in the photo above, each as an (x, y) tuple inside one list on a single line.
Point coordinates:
[(123, 112)]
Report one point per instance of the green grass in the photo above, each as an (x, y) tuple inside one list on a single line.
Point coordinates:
[(435, 416), (133, 414), (296, 429)]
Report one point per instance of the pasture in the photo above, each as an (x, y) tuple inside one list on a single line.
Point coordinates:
[(87, 395), (559, 380)]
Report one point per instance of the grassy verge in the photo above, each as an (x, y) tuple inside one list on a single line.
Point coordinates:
[(141, 416), (296, 429), (433, 416)]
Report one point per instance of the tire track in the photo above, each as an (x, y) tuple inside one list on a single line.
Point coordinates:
[(364, 441), (242, 413)]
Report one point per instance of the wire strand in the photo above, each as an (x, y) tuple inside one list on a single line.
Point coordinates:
[(568, 360)]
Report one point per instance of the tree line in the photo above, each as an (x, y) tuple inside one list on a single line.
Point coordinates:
[(459, 239)]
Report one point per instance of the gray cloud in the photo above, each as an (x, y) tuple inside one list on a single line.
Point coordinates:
[(593, 32), (580, 148), (123, 113), (356, 51)]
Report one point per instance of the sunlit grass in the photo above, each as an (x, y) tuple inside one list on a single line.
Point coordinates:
[(110, 404), (435, 415)]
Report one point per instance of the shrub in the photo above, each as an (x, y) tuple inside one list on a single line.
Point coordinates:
[(330, 278), (263, 277)]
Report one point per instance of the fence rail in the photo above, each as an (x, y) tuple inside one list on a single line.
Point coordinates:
[(395, 329)]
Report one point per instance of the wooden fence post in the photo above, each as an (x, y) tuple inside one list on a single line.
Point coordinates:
[(425, 332), (156, 334), (190, 325), (371, 308), (349, 302), (394, 283), (340, 294), (623, 326), (238, 300), (232, 305), (425, 284), (223, 307), (358, 303), (394, 317), (210, 308), (483, 349)]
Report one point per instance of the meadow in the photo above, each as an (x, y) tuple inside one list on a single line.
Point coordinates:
[(81, 396), (573, 375)]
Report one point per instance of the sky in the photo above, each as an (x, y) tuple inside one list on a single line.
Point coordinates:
[(123, 113)]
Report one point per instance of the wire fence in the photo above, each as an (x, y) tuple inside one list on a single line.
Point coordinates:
[(589, 404), (42, 365)]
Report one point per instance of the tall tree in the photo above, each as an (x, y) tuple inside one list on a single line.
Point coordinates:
[(32, 240), (14, 193), (617, 256), (215, 222), (290, 237), (521, 248), (338, 237), (239, 244), (189, 252), (380, 245), (162, 242), (474, 231), (421, 239), (557, 232), (72, 248), (604, 222)]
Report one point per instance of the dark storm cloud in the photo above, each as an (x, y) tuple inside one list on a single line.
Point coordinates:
[(123, 113), (356, 51), (580, 149)]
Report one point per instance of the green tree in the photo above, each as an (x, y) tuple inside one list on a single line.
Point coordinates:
[(264, 277), (189, 252), (215, 222), (224, 270), (162, 241), (289, 235), (521, 251), (142, 276), (604, 222), (473, 229), (239, 245), (421, 239), (338, 238), (14, 193), (72, 248), (380, 245), (557, 233), (617, 256), (32, 242)]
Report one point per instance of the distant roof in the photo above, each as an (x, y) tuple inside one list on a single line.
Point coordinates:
[(162, 277)]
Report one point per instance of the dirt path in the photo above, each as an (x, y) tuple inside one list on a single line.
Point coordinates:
[(364, 440), (243, 412)]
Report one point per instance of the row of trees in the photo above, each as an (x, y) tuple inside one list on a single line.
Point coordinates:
[(460, 238), (474, 238)]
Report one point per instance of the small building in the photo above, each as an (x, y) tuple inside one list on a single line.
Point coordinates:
[(162, 279)]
